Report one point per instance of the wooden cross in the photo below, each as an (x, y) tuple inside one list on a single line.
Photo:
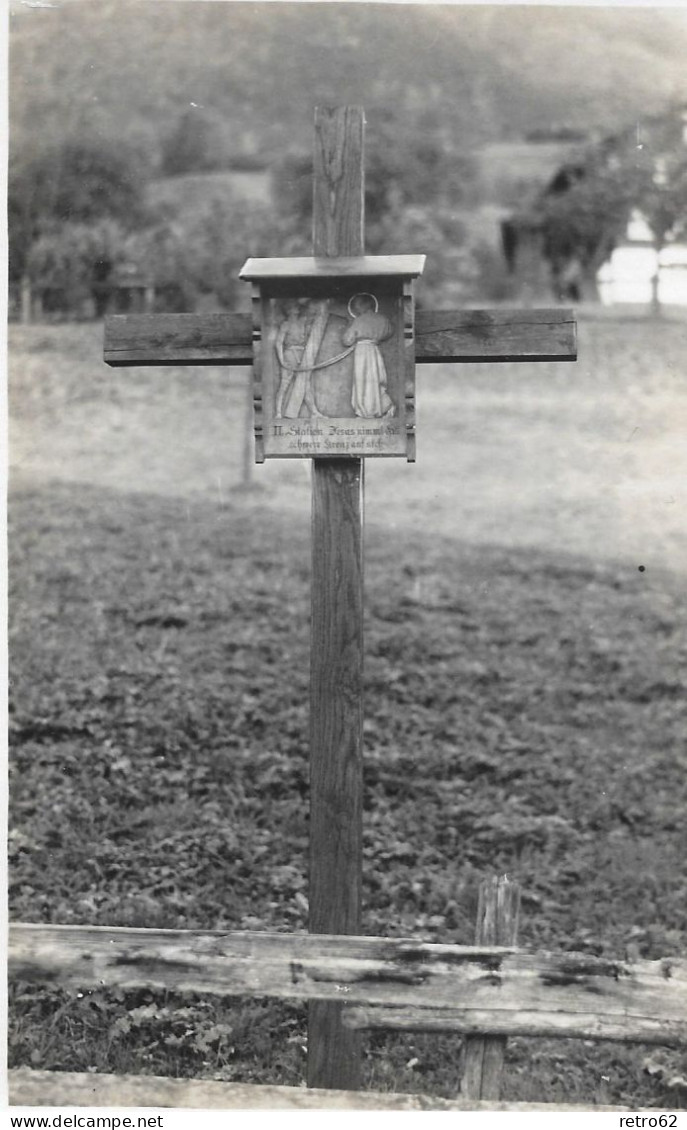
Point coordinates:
[(336, 713)]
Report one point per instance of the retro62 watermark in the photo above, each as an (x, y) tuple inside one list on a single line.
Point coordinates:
[(664, 1121)]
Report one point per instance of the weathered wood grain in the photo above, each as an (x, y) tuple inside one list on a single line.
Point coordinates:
[(336, 631), (336, 727), (542, 1022), (497, 925), (496, 335), (533, 993), (178, 339), (62, 1088), (441, 335), (338, 221), (336, 667)]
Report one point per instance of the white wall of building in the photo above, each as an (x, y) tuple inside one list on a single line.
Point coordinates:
[(628, 275)]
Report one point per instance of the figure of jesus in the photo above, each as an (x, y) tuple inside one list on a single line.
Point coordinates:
[(368, 327)]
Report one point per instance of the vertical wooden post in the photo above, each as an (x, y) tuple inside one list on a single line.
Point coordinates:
[(497, 925), (247, 455), (655, 283), (25, 293), (336, 665)]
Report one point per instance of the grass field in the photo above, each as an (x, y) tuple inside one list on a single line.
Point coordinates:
[(524, 688)]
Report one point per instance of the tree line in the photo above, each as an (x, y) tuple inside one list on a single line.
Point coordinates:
[(80, 216)]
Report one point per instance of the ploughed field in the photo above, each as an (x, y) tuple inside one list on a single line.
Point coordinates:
[(525, 709)]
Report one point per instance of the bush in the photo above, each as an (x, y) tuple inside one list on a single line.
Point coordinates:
[(70, 261), (79, 181), (189, 256)]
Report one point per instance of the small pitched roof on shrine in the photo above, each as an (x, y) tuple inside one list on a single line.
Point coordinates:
[(377, 266)]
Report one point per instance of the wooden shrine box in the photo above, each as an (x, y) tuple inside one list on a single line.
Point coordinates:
[(334, 355)]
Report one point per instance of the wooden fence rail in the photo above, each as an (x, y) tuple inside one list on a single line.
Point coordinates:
[(393, 983), (47, 1088), (485, 993)]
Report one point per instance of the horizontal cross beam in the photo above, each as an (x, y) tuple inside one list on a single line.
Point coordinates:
[(440, 335)]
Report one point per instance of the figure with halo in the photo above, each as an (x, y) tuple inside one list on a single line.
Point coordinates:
[(368, 327)]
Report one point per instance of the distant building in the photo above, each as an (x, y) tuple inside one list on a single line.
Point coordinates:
[(122, 289), (118, 289), (637, 273), (629, 270), (540, 271)]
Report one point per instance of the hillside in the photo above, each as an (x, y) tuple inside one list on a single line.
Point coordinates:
[(127, 69)]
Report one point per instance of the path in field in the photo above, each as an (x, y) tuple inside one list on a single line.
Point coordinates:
[(586, 459)]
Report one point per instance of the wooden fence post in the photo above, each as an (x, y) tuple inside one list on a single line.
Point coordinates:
[(497, 925)]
